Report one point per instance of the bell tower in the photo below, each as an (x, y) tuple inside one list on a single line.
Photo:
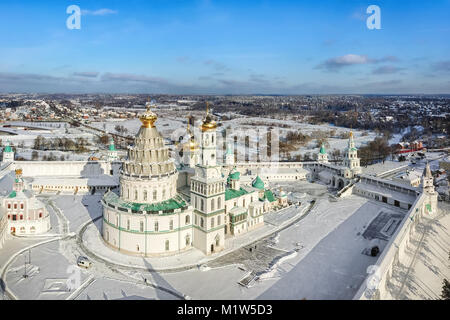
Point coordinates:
[(208, 193), (322, 156), (8, 153), (430, 203), (351, 159)]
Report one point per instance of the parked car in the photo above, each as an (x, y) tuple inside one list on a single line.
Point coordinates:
[(84, 262)]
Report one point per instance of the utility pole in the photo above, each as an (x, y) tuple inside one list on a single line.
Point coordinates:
[(25, 275), (25, 267)]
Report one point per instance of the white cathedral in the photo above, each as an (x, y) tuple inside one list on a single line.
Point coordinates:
[(149, 216)]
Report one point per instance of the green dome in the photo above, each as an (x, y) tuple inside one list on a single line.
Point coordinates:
[(112, 147), (258, 183), (322, 149), (7, 148)]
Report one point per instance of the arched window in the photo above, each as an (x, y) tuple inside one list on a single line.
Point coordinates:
[(167, 245), (135, 195), (21, 206), (212, 223), (188, 240), (145, 195), (154, 194), (218, 220), (202, 205), (219, 203), (202, 224), (212, 204), (188, 219), (128, 224), (40, 214), (15, 205), (171, 225), (164, 193), (141, 226), (9, 205), (156, 226)]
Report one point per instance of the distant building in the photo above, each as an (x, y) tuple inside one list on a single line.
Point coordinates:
[(25, 214), (322, 156), (8, 153)]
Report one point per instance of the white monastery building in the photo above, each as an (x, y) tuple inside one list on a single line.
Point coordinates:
[(24, 213)]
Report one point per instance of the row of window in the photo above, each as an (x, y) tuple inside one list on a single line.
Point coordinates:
[(154, 169), (155, 153), (212, 221), (212, 188), (187, 221), (16, 217), (15, 205), (166, 242), (206, 139), (199, 203), (146, 195), (22, 230)]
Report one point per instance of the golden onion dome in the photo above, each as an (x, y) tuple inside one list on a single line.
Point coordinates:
[(191, 145), (208, 122), (148, 118)]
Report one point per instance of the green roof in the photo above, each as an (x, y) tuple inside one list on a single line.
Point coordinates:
[(231, 193), (8, 148), (258, 183), (235, 175), (168, 205), (322, 149), (428, 206), (12, 194), (269, 196), (112, 147)]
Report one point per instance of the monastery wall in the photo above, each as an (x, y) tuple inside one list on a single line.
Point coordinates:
[(66, 168), (377, 285)]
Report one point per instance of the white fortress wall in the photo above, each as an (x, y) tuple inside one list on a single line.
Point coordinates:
[(67, 168), (377, 284)]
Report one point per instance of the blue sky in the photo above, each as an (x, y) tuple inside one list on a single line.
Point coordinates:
[(225, 47)]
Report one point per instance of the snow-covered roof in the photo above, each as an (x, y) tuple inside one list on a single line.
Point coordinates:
[(383, 191)]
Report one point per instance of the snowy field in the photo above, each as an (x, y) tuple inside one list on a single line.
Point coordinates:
[(168, 124)]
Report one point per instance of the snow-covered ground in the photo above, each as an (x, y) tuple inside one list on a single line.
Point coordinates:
[(323, 257), (168, 124)]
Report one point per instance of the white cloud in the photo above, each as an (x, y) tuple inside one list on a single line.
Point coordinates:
[(99, 12)]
